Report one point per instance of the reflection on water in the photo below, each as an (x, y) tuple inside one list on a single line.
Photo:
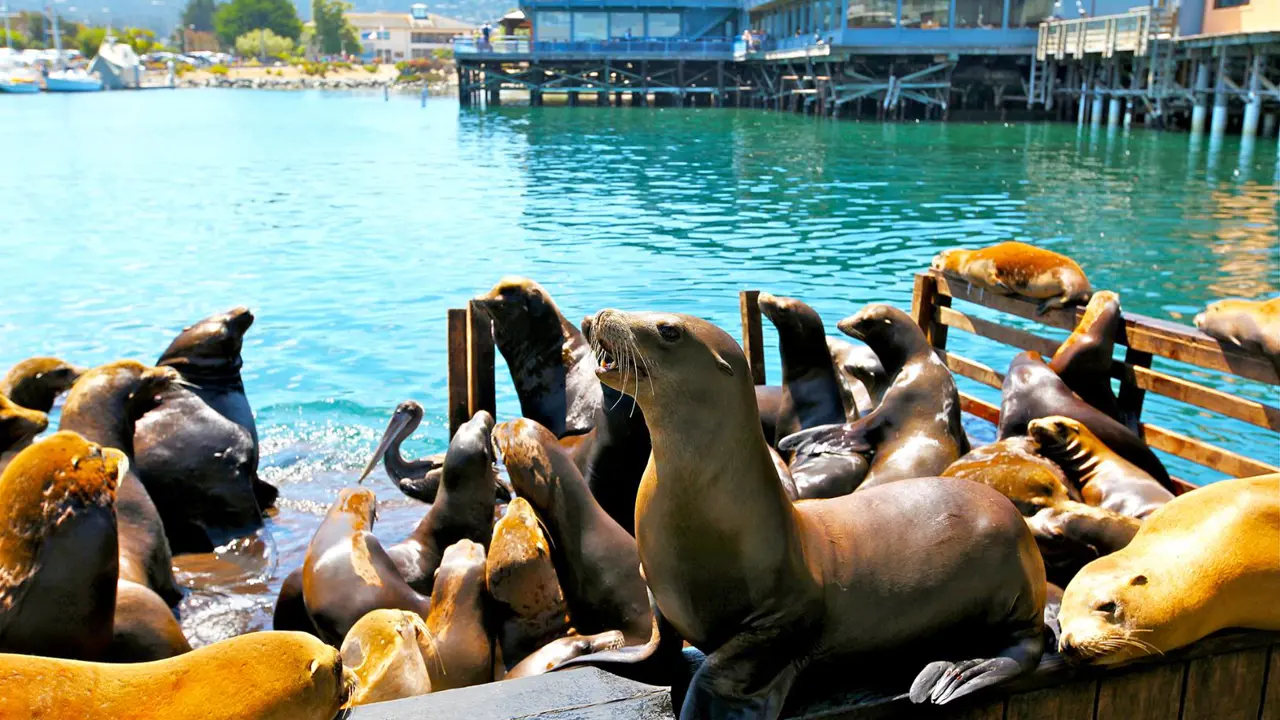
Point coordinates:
[(351, 224)]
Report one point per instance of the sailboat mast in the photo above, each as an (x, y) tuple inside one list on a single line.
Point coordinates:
[(7, 44), (57, 38)]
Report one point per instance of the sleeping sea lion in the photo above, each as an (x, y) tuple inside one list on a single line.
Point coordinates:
[(460, 654), (1105, 479), (1206, 561), (196, 451), (595, 559), (771, 587), (811, 394), (1014, 268), (18, 427), (1252, 324), (103, 406), (1083, 360), (387, 652), (58, 554), (1032, 390), (529, 607), (36, 382)]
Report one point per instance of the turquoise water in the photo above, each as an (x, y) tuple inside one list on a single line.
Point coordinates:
[(350, 225)]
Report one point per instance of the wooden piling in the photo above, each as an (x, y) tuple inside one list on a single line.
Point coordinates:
[(459, 390), (752, 333), (480, 362)]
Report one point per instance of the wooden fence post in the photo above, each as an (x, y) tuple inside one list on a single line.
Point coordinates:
[(752, 335), (480, 361), (925, 298), (459, 390)]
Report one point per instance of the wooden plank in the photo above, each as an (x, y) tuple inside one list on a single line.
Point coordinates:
[(1075, 700), (1200, 452), (459, 387), (1250, 411), (925, 304), (1131, 396), (994, 331), (480, 362), (1152, 692), (1271, 697), (1225, 687), (979, 408), (752, 335), (973, 370)]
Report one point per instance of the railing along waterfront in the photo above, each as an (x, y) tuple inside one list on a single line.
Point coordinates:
[(1130, 32), (653, 48)]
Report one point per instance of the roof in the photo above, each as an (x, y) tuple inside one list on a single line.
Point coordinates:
[(385, 20)]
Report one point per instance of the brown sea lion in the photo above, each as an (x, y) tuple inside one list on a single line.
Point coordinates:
[(595, 559), (144, 628), (769, 399), (347, 573), (259, 676), (103, 406), (549, 360), (18, 427), (58, 554), (775, 587), (1206, 561), (1032, 390), (811, 394), (1252, 324), (196, 451), (1083, 360), (529, 606), (387, 652), (559, 651), (1068, 532), (36, 382), (1014, 268), (863, 380), (1105, 479), (461, 653), (915, 431)]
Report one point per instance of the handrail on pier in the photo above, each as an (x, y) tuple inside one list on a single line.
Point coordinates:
[(1107, 35), (651, 48)]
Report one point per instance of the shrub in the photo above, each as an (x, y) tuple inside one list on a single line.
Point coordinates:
[(315, 68), (371, 68), (253, 43), (218, 70)]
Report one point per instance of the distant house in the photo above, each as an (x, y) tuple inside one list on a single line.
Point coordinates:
[(118, 65), (391, 36)]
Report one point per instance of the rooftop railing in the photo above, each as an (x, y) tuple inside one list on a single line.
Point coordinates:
[(1131, 32), (635, 47)]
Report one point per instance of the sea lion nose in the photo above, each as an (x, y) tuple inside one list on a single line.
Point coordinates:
[(587, 324)]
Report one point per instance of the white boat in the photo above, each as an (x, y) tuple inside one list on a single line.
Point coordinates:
[(71, 80), (19, 81)]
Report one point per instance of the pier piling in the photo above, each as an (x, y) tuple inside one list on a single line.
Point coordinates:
[(1201, 108), (1253, 101), (1218, 124)]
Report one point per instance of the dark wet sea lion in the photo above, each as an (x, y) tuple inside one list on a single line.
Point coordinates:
[(347, 573), (863, 380), (18, 427), (387, 652), (769, 399), (144, 629), (36, 382), (775, 587), (1105, 479), (811, 393), (529, 608), (196, 452), (1032, 390), (559, 651), (290, 611), (595, 558), (1083, 360), (103, 406), (1251, 324), (550, 362), (1069, 533), (461, 653), (1014, 268), (915, 431), (58, 554), (419, 479)]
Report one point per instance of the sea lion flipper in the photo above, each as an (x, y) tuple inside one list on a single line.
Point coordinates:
[(943, 681), (836, 438), (746, 677), (659, 661)]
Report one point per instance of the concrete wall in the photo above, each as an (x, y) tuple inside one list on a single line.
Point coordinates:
[(1257, 16), (1191, 17)]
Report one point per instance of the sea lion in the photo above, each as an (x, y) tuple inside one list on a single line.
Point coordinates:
[(595, 559), (196, 451), (386, 650), (863, 380), (18, 427), (461, 654), (346, 573), (1105, 479), (1206, 561), (774, 587), (103, 406), (144, 628), (811, 393), (529, 606), (559, 651), (915, 431), (419, 479), (1068, 532), (1252, 324), (58, 553), (259, 676), (614, 462), (1014, 268), (1083, 360), (1032, 390), (769, 399), (36, 382), (550, 362)]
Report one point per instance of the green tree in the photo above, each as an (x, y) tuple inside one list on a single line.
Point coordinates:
[(199, 13), (253, 43), (141, 40), (240, 16), (333, 33), (16, 39), (89, 39)]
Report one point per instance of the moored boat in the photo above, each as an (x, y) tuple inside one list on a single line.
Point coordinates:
[(16, 83), (71, 81)]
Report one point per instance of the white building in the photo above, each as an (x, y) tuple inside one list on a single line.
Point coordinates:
[(391, 37)]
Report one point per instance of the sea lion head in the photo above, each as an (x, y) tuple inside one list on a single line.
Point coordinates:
[(888, 331), (211, 344), (18, 424), (518, 570), (459, 579), (794, 320), (35, 382), (386, 651), (522, 444), (514, 299), (656, 356), (470, 453), (949, 259), (106, 401), (1112, 612), (1056, 436), (360, 505)]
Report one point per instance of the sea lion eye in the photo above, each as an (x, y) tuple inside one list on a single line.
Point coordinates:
[(1108, 607), (1138, 580), (670, 333)]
